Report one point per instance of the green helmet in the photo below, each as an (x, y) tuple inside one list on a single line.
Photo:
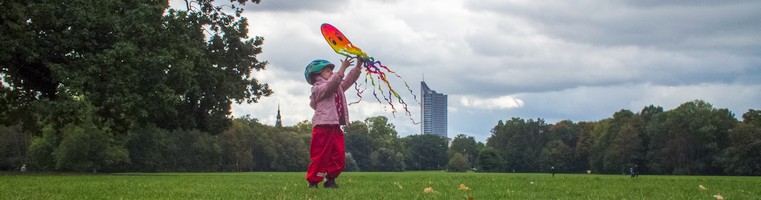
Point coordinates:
[(314, 67)]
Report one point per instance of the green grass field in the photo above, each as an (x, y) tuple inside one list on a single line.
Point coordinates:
[(372, 185)]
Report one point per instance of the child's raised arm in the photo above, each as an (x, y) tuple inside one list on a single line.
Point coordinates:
[(353, 75)]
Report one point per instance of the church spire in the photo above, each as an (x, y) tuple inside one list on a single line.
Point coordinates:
[(278, 121)]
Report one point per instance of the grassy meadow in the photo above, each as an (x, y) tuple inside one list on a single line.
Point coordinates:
[(372, 185)]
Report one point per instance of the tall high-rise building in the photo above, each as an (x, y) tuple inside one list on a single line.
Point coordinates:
[(434, 111)]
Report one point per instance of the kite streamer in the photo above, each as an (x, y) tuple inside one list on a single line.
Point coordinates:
[(374, 69)]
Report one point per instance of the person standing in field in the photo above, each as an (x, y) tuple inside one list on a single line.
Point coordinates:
[(635, 170), (631, 171), (326, 148), (552, 170)]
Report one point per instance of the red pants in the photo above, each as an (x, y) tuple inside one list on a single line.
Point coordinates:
[(327, 152)]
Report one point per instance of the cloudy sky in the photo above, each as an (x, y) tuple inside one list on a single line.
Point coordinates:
[(498, 59)]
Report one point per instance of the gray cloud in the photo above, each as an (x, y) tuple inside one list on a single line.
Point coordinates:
[(668, 24), (574, 60)]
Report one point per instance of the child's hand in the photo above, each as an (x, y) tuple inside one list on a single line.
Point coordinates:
[(361, 61), (346, 62)]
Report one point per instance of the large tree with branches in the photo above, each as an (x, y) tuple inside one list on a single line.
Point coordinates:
[(136, 62)]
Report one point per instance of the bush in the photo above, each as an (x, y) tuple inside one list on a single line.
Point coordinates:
[(458, 163), (490, 161), (86, 147)]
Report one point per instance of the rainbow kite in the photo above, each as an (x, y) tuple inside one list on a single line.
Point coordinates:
[(373, 69)]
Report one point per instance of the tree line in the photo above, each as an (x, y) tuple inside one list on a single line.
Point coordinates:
[(692, 139), (248, 145)]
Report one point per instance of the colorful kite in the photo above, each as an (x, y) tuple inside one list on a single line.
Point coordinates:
[(373, 69)]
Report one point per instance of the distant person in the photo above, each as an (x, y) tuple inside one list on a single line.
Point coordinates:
[(636, 171), (326, 148), (552, 170), (631, 171)]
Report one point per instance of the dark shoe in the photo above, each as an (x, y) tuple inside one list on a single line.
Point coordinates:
[(313, 185), (330, 183)]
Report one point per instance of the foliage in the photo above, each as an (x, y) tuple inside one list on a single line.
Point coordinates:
[(41, 150), (383, 133), (556, 154), (293, 152), (386, 160), (86, 147), (465, 145), (13, 147), (688, 139), (359, 143), (653, 139), (490, 161), (458, 163), (519, 142), (426, 152), (622, 143), (742, 156), (136, 62), (145, 146)]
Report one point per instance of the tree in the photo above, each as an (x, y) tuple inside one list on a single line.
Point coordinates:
[(599, 138), (146, 145), (458, 163), (519, 142), (237, 154), (264, 144), (490, 161), (293, 153), (568, 133), (85, 147), (466, 146), (192, 150), (556, 154), (41, 150), (13, 147), (623, 142), (689, 139), (426, 152), (565, 131), (136, 61), (359, 143), (386, 160), (742, 157), (383, 133), (584, 145)]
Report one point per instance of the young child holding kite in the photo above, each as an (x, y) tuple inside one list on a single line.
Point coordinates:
[(326, 148)]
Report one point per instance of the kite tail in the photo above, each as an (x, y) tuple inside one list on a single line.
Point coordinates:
[(395, 94), (372, 81), (372, 71), (400, 78), (408, 113), (390, 103), (359, 92)]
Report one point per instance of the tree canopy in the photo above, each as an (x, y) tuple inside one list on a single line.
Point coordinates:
[(136, 62)]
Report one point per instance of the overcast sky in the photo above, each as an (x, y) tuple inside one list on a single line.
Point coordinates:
[(498, 59)]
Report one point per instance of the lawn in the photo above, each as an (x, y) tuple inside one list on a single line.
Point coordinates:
[(372, 185)]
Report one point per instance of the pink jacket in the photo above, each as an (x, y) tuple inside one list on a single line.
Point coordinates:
[(323, 101)]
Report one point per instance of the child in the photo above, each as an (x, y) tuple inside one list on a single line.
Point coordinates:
[(329, 103)]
